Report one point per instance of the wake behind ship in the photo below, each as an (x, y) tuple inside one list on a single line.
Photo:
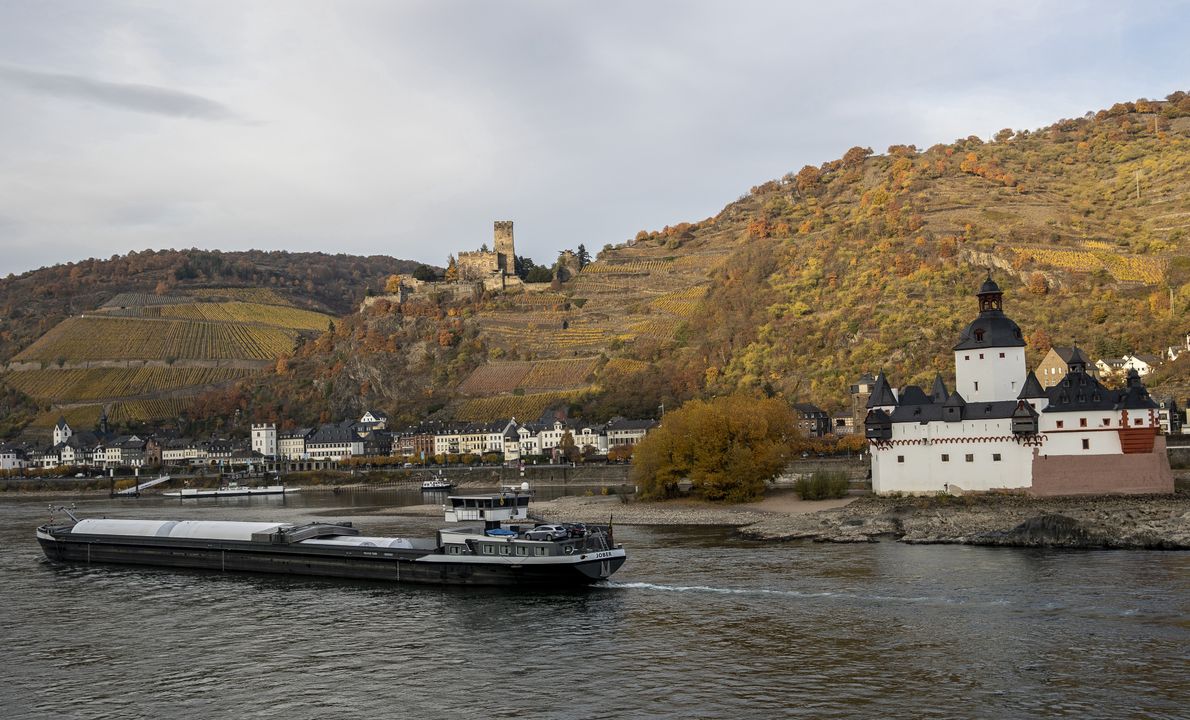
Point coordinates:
[(482, 554)]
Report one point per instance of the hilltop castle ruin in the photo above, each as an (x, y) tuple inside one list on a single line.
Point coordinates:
[(480, 265), (478, 271)]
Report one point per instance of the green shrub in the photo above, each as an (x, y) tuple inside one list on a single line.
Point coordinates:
[(822, 485)]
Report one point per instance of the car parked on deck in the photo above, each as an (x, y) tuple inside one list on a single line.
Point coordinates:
[(548, 532)]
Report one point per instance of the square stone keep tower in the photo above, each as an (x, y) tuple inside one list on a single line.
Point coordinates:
[(505, 251)]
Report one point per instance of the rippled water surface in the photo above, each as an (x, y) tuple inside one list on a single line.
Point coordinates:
[(695, 625)]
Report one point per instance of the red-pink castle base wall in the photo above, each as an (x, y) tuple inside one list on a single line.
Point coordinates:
[(1139, 473)]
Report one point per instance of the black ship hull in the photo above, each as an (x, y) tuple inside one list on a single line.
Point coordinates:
[(390, 565)]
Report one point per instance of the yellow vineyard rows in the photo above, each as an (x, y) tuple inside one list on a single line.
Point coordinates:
[(265, 296), (538, 300), (504, 377), (141, 300), (146, 410), (617, 368), (683, 303), (1130, 268), (636, 266), (85, 417), (500, 377), (236, 311), (607, 283), (1126, 268), (99, 383), (102, 338), (526, 319), (559, 374), (522, 407), (574, 337), (654, 328)]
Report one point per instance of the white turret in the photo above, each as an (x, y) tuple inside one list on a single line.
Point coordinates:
[(989, 360)]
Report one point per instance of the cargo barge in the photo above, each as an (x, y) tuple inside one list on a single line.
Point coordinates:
[(482, 554), (231, 490)]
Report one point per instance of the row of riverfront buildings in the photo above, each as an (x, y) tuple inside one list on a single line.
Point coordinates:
[(369, 436)]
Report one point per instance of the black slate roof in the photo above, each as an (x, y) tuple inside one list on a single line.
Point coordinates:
[(1072, 355), (881, 393), (997, 410), (991, 328), (939, 393), (1081, 391), (1032, 388), (913, 395)]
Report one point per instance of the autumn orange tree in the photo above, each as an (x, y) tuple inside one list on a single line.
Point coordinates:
[(727, 447)]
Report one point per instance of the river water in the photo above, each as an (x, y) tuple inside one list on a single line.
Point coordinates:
[(696, 625)]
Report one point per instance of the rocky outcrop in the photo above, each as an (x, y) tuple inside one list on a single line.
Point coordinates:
[(1137, 522)]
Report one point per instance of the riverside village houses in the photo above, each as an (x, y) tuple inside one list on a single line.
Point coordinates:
[(1000, 429)]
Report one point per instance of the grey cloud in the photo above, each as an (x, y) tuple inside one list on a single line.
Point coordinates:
[(127, 96)]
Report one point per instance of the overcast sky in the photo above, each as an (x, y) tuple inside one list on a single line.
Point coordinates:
[(406, 128)]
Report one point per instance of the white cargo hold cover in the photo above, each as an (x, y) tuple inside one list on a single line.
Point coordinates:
[(190, 529), (361, 541)]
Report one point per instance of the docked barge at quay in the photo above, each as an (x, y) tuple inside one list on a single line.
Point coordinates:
[(481, 553)]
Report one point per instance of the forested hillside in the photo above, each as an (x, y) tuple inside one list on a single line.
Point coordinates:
[(141, 335), (34, 302), (805, 282)]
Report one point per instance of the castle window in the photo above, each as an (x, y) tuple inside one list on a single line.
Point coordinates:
[(1106, 422), (900, 458), (1001, 354), (995, 457), (979, 336), (977, 385), (970, 457), (1138, 421), (945, 457), (966, 357), (1086, 444), (1082, 422), (1061, 424), (981, 356)]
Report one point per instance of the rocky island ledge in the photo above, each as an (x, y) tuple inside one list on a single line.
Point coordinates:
[(1156, 522)]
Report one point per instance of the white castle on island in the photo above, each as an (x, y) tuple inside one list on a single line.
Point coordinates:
[(1000, 430)]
